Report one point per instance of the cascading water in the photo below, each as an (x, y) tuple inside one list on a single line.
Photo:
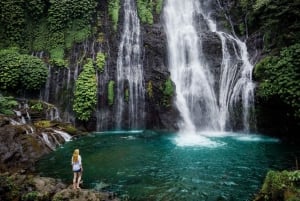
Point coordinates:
[(130, 81), (205, 100)]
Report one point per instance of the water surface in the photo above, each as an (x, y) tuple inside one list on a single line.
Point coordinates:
[(165, 166)]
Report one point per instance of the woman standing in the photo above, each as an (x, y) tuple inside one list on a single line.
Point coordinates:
[(77, 168)]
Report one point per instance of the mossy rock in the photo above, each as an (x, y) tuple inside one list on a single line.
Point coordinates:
[(280, 186), (43, 124)]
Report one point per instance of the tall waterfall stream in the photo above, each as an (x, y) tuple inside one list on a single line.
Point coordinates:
[(206, 101), (130, 80)]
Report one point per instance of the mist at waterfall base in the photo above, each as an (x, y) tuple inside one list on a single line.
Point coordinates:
[(139, 165)]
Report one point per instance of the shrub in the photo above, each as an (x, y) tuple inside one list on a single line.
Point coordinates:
[(85, 97), (21, 70), (145, 8), (100, 61), (7, 104), (279, 76)]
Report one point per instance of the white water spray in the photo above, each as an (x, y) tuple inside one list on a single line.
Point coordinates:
[(206, 101), (130, 81)]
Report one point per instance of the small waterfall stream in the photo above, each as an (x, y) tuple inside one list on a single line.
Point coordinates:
[(207, 101), (130, 80)]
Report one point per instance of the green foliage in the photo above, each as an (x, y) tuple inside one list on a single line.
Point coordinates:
[(9, 69), (113, 10), (260, 3), (100, 61), (57, 57), (168, 92), (31, 196), (77, 32), (168, 89), (150, 89), (12, 20), (85, 96), (159, 6), (7, 104), (276, 185), (37, 106), (276, 20), (33, 72), (279, 76), (61, 13), (111, 95), (21, 70), (126, 94), (52, 26), (145, 8)]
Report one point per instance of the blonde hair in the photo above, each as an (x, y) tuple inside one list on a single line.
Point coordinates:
[(75, 155)]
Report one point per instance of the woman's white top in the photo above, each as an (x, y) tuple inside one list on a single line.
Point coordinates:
[(76, 165)]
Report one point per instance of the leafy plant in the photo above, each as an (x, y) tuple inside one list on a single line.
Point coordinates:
[(9, 69), (113, 10), (145, 8), (37, 106), (100, 61), (111, 95), (159, 5), (85, 96), (20, 69), (168, 92), (7, 104), (279, 76), (33, 72)]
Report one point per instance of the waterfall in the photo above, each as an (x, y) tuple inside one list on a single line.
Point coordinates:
[(206, 100), (130, 81)]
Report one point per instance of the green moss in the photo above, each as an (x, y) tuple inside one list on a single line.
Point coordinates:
[(150, 89), (43, 124), (126, 95), (111, 95), (113, 10), (57, 57), (168, 92), (280, 186), (77, 32), (159, 6), (70, 129)]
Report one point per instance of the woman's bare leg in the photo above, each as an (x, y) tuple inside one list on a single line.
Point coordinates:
[(74, 180), (78, 179)]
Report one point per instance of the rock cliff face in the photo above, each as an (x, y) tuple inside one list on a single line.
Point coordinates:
[(61, 82), (22, 144)]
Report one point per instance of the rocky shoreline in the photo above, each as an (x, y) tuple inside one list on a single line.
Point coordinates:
[(21, 146), (29, 187)]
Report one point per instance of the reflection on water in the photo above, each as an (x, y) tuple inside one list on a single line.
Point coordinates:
[(156, 166)]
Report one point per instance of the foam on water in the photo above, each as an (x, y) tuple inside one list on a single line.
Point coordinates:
[(255, 138), (208, 138), (195, 140)]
